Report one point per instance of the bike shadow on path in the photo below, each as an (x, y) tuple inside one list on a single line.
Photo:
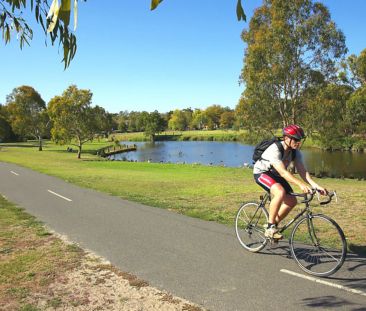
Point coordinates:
[(332, 302), (351, 274)]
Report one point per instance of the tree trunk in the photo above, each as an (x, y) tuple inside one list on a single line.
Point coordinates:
[(294, 110), (39, 143), (79, 151)]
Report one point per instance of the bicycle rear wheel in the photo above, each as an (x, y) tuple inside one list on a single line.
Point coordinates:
[(318, 245), (250, 222)]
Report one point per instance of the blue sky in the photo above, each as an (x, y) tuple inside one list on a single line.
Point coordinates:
[(183, 54)]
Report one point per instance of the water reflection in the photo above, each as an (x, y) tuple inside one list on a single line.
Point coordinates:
[(336, 163), (232, 154)]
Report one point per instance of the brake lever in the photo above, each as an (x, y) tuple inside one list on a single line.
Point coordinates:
[(318, 195), (330, 196)]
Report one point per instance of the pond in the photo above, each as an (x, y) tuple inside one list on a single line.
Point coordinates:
[(233, 154)]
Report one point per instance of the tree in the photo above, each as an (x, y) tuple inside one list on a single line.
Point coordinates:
[(178, 121), (199, 120), (227, 119), (354, 70), (122, 120), (73, 117), (54, 19), (6, 132), (356, 111), (104, 120), (260, 119), (288, 44), (213, 115), (132, 121), (327, 113), (239, 9), (27, 113), (154, 124)]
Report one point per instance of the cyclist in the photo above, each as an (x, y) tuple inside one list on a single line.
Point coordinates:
[(270, 172)]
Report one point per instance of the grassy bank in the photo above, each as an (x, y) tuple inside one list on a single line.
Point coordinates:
[(30, 258), (217, 135), (228, 135), (211, 193)]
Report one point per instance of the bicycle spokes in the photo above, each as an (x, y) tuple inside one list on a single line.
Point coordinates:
[(318, 245), (249, 226)]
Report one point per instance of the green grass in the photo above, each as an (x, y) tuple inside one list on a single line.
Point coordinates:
[(210, 193)]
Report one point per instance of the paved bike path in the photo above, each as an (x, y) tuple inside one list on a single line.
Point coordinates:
[(194, 259)]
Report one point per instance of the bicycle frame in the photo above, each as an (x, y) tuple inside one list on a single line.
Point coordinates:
[(305, 210)]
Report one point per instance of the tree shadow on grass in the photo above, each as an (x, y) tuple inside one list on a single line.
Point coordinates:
[(75, 150), (19, 145)]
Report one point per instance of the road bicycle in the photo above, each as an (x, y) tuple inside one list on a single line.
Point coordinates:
[(317, 242)]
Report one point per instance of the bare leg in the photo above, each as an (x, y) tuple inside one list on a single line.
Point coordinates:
[(278, 195), (288, 204)]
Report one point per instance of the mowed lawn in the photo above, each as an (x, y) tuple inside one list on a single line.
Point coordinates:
[(210, 193)]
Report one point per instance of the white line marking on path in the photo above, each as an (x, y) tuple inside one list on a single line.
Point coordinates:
[(59, 195), (310, 278), (14, 173)]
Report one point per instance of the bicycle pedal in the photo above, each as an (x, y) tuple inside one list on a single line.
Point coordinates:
[(275, 241)]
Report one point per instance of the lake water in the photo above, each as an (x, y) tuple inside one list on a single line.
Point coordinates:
[(233, 154)]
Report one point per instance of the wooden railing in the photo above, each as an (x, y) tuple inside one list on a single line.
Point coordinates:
[(114, 149)]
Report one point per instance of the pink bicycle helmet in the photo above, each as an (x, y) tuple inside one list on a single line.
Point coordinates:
[(294, 131)]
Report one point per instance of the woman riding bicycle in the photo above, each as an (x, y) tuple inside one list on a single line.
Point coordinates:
[(270, 172)]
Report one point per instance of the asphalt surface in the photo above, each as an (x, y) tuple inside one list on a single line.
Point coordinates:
[(194, 259)]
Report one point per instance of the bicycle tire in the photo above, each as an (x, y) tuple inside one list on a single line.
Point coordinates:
[(318, 245), (249, 226)]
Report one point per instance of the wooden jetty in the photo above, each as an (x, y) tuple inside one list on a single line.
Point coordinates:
[(115, 149)]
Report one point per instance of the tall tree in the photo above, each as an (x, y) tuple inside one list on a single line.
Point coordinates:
[(104, 121), (6, 132), (154, 124), (199, 120), (27, 113), (327, 116), (354, 70), (213, 115), (74, 120), (178, 120), (288, 43), (122, 120), (227, 119), (356, 112)]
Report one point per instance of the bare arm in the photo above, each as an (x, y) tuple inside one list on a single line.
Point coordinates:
[(307, 178)]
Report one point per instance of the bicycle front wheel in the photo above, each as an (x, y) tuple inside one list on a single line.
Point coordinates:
[(250, 222), (318, 245)]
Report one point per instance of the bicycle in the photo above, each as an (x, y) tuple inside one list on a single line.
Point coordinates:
[(317, 242)]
